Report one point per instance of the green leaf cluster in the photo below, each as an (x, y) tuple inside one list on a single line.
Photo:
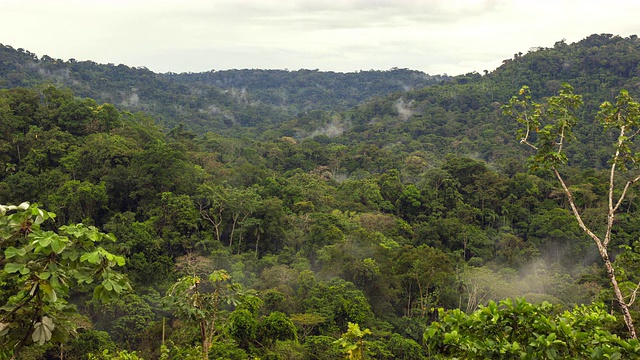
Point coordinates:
[(42, 267), (516, 329)]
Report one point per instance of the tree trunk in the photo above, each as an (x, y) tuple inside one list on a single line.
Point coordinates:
[(205, 340), (628, 320), (602, 246)]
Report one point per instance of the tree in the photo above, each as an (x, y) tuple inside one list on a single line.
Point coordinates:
[(339, 302), (424, 273), (241, 203), (202, 303), (242, 327), (213, 202), (482, 285), (39, 269), (402, 348), (353, 341), (306, 323), (548, 128), (277, 326), (77, 201)]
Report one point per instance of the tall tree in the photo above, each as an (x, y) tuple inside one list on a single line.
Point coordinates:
[(548, 128), (201, 304)]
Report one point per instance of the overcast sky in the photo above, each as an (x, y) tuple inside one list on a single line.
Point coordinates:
[(434, 36)]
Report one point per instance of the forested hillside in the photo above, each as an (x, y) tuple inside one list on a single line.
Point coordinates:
[(464, 117), (228, 101), (304, 90), (333, 231)]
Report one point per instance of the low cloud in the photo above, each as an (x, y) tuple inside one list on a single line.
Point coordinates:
[(335, 128)]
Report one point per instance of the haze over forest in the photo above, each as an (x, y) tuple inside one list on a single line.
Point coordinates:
[(306, 214)]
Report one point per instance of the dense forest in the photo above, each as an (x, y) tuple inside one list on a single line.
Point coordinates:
[(221, 101), (306, 215)]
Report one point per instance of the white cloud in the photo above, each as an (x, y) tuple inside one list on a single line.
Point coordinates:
[(454, 36)]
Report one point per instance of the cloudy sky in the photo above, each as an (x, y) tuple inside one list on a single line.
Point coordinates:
[(434, 36)]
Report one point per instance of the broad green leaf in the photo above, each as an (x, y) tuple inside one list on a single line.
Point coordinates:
[(39, 220), (71, 255), (72, 230), (93, 235), (82, 278), (100, 293), (44, 241), (11, 252), (120, 260), (108, 255), (108, 284), (92, 257), (116, 287), (219, 275), (13, 267), (57, 245)]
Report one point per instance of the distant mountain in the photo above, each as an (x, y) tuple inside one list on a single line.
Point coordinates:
[(305, 90), (212, 101)]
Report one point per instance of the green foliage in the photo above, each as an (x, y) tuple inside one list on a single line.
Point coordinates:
[(339, 302), (624, 117), (40, 268), (88, 342), (424, 274), (226, 350), (120, 355), (373, 214), (242, 326), (323, 348), (267, 96), (352, 341), (402, 348), (200, 304), (129, 318), (276, 326), (515, 329), (552, 124)]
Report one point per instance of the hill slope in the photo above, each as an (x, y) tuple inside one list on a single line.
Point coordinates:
[(370, 108), (213, 101), (463, 116)]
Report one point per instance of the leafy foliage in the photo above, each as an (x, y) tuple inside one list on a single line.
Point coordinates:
[(42, 266), (334, 208), (516, 329), (353, 341)]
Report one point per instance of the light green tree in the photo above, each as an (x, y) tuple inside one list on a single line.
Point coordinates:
[(516, 329), (38, 269), (353, 341)]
